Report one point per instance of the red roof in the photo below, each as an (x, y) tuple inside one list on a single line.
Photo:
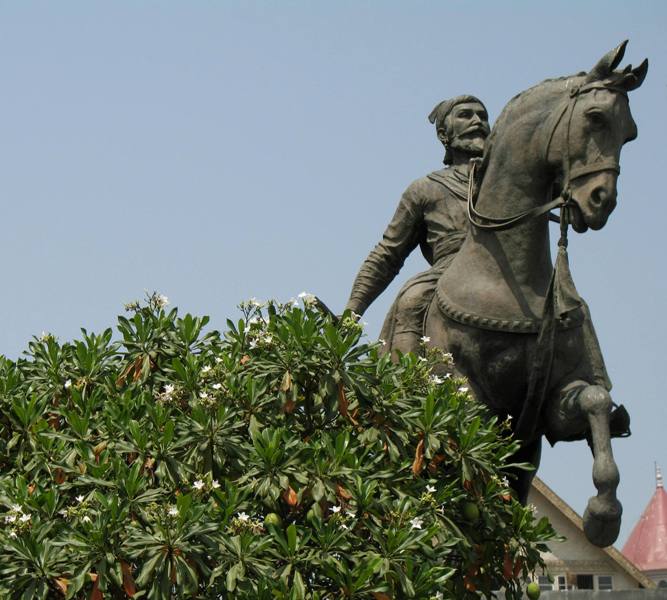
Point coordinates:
[(647, 545)]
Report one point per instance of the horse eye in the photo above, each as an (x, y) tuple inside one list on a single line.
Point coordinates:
[(596, 118)]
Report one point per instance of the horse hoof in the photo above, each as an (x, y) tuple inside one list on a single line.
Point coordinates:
[(602, 521)]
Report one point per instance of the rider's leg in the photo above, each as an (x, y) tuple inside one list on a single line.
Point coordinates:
[(580, 407), (411, 308), (406, 341)]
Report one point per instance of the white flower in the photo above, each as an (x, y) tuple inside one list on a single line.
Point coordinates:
[(268, 339), (198, 485), (215, 484), (383, 342), (206, 369), (351, 514), (425, 339), (173, 511), (203, 395), (80, 498), (253, 344), (17, 508), (421, 359), (532, 508), (169, 389), (509, 417), (306, 297), (463, 389), (86, 519), (10, 518), (505, 482), (243, 517), (216, 386), (344, 526), (12, 534), (439, 596), (254, 302), (335, 509), (416, 523), (437, 380), (161, 300), (430, 489), (68, 384), (218, 359), (448, 356), (24, 518)]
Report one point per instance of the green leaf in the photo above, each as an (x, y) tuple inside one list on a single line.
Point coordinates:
[(291, 539), (299, 586), (233, 575)]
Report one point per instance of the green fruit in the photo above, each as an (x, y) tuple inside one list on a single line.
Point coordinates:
[(471, 512), (314, 514), (533, 590), (273, 519)]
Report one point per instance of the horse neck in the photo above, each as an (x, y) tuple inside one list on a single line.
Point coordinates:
[(514, 182)]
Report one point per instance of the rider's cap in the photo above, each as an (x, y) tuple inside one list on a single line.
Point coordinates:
[(442, 109)]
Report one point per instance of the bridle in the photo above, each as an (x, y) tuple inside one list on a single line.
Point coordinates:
[(564, 200)]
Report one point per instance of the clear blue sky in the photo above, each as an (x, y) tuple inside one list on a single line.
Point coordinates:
[(220, 150)]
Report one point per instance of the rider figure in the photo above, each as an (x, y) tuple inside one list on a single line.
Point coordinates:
[(431, 214)]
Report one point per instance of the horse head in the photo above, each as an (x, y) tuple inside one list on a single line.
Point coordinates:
[(594, 123)]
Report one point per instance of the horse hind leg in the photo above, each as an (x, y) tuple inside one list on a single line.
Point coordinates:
[(522, 479), (583, 406)]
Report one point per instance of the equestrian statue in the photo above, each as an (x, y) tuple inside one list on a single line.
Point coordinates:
[(510, 316)]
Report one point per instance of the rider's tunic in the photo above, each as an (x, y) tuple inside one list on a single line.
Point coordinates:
[(431, 214)]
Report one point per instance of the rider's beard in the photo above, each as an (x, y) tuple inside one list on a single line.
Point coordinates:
[(470, 145)]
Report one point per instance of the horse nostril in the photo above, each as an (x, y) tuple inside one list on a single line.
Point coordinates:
[(601, 197)]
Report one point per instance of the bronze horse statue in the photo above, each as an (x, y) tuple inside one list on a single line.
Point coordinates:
[(511, 319)]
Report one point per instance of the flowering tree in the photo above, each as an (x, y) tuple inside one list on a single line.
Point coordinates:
[(285, 459)]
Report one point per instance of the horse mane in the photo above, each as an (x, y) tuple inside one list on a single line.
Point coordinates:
[(539, 97)]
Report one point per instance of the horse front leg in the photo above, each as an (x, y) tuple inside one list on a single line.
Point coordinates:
[(602, 519), (584, 408)]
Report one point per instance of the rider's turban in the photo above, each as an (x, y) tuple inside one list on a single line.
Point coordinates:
[(442, 109)]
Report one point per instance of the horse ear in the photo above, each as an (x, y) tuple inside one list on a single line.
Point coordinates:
[(607, 63), (635, 77)]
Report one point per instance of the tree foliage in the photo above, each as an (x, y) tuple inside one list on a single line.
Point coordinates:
[(285, 459)]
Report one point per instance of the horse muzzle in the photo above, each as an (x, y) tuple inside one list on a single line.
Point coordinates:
[(594, 200)]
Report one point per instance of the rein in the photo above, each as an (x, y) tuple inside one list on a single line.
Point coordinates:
[(562, 297), (502, 223)]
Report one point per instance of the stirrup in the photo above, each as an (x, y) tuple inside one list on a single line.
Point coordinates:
[(619, 422)]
